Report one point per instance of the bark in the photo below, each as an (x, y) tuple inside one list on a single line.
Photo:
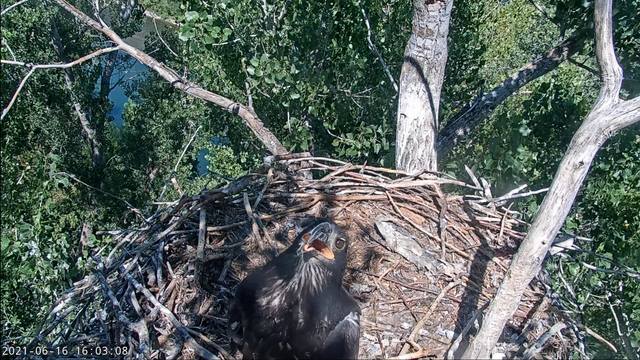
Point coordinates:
[(254, 123), (90, 133), (472, 115), (421, 80), (609, 115)]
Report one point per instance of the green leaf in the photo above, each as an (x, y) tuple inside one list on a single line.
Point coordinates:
[(191, 15)]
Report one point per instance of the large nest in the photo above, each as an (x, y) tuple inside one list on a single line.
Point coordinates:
[(423, 265)]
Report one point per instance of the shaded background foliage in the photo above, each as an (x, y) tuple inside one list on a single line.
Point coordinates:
[(313, 79)]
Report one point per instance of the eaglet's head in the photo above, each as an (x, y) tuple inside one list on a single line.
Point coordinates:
[(322, 243)]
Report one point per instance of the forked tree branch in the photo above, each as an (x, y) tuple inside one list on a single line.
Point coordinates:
[(251, 120), (608, 115), (33, 68)]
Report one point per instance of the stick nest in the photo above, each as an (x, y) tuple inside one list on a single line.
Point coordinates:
[(164, 289)]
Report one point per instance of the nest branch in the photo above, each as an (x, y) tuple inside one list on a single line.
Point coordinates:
[(165, 286)]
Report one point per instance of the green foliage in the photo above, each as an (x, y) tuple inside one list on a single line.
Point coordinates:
[(307, 66), (312, 79)]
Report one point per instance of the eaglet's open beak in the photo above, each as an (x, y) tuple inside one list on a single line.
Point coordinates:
[(315, 240)]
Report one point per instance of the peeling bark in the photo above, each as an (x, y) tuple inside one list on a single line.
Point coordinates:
[(421, 80), (472, 115), (608, 115)]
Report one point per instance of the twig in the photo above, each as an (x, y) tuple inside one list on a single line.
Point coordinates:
[(373, 48), (155, 16), (202, 235), (424, 319), (465, 330), (12, 6), (74, 178), (632, 274), (47, 66), (161, 39), (601, 339), (422, 353), (254, 225), (442, 221), (625, 341), (539, 344), (6, 43), (514, 196), (503, 222), (208, 341), (375, 321), (184, 150), (543, 11)]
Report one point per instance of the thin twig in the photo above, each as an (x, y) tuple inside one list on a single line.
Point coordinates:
[(12, 6), (6, 43), (47, 66), (202, 236), (465, 330), (540, 343), (601, 339), (161, 39), (426, 316), (373, 48), (184, 151), (74, 178)]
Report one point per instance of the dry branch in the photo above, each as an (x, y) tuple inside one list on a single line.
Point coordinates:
[(254, 123), (471, 116), (608, 115), (33, 68)]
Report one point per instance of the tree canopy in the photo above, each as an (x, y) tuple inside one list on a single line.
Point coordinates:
[(322, 77)]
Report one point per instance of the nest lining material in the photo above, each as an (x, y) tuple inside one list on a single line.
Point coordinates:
[(422, 265)]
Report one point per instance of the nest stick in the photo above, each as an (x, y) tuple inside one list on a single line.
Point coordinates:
[(414, 355), (426, 316), (169, 314), (202, 235), (254, 226), (540, 343)]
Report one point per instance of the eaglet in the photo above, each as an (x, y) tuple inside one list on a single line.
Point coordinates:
[(295, 307)]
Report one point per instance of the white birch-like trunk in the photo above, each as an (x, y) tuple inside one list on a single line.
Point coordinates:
[(609, 115), (421, 79)]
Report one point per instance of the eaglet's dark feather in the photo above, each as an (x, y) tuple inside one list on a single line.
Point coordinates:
[(295, 307)]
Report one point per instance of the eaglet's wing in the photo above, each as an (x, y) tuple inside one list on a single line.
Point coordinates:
[(343, 341)]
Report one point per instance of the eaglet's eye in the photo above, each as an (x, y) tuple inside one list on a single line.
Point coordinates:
[(340, 244)]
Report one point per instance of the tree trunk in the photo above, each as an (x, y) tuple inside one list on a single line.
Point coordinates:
[(421, 79), (608, 115)]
